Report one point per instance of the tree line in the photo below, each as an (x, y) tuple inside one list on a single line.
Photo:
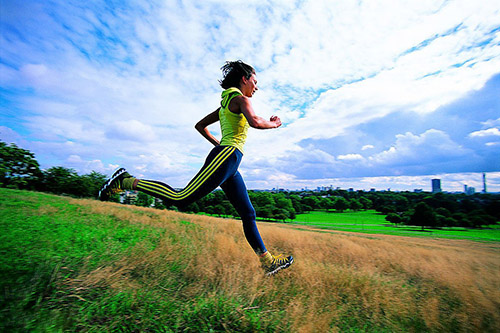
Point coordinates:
[(19, 169)]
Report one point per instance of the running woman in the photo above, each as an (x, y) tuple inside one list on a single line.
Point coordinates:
[(221, 166)]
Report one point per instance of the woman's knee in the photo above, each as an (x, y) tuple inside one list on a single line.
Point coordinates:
[(249, 214)]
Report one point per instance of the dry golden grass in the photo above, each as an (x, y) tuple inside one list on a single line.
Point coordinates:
[(338, 279)]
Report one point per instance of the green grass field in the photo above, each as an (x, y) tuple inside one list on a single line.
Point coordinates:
[(45, 243), (69, 265), (374, 223)]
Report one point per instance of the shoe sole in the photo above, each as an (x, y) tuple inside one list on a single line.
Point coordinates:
[(281, 267), (104, 189)]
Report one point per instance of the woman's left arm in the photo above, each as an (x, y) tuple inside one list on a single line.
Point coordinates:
[(243, 104), (202, 126)]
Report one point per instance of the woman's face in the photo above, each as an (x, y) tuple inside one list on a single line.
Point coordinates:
[(249, 86)]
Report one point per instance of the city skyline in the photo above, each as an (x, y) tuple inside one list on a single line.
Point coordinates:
[(459, 187)]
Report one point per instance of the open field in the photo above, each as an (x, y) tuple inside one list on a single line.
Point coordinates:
[(84, 265), (374, 223)]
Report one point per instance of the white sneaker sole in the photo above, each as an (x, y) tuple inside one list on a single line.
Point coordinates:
[(280, 267)]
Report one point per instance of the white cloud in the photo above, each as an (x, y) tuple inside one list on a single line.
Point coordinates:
[(491, 122), (34, 71), (432, 146), (133, 81), (406, 62), (281, 178), (88, 166), (350, 157), (8, 135), (486, 132), (133, 130)]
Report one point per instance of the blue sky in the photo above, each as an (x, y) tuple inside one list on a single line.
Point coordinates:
[(372, 94)]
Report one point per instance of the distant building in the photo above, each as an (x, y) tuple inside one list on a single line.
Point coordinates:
[(158, 203), (128, 197), (325, 188), (436, 185), (484, 182), (469, 190)]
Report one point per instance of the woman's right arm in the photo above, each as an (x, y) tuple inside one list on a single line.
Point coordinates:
[(202, 126)]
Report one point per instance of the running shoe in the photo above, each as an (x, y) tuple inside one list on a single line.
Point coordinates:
[(113, 184), (277, 263)]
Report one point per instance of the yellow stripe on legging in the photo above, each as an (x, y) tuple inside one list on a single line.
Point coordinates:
[(195, 184), (203, 176), (207, 172), (159, 189)]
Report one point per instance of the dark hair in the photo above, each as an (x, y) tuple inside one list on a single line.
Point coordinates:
[(233, 71)]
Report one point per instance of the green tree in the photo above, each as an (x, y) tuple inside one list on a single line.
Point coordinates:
[(393, 218), (310, 202), (192, 207), (60, 180), (493, 207), (443, 200), (296, 203), (449, 222), (331, 204), (400, 202), (324, 202), (261, 199), (281, 214), (443, 211), (144, 200), (478, 218), (423, 216), (461, 219), (387, 209), (18, 167), (341, 204), (265, 212), (219, 210), (284, 203), (210, 210), (92, 183), (355, 204), (367, 203), (229, 208)]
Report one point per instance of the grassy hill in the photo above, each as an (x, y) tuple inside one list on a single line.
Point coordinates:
[(84, 265)]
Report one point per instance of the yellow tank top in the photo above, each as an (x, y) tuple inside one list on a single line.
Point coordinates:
[(234, 126)]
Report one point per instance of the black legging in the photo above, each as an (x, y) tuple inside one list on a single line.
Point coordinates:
[(220, 169)]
